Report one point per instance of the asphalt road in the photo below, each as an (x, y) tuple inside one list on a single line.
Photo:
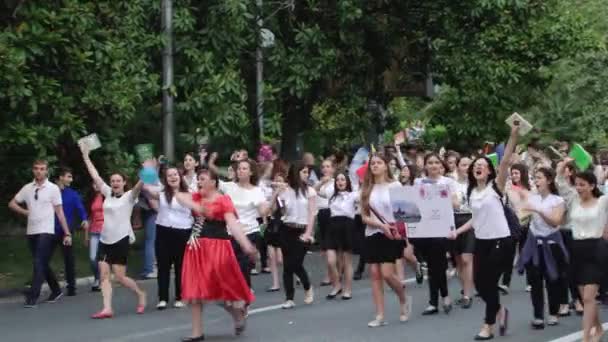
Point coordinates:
[(68, 320)]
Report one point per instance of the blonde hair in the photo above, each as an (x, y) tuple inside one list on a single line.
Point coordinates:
[(369, 181)]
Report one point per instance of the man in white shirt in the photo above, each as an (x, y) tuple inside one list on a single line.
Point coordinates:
[(42, 201)]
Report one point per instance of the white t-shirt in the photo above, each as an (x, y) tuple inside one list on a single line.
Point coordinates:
[(192, 183), (461, 193), (489, 221), (344, 204), (380, 201), (173, 215), (41, 202), (296, 207), (451, 184), (588, 223), (325, 193), (116, 215), (246, 203), (538, 226)]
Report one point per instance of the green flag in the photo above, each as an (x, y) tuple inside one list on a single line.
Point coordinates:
[(581, 157), (494, 158)]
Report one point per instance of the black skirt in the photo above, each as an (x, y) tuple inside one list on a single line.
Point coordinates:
[(340, 233), (379, 249), (114, 254), (323, 216), (272, 235), (588, 261)]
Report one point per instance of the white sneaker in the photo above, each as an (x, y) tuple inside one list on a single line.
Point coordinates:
[(162, 305), (528, 288), (378, 322), (151, 275), (309, 296), (288, 305), (178, 304)]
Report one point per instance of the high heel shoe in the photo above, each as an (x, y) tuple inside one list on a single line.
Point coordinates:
[(194, 339), (333, 295)]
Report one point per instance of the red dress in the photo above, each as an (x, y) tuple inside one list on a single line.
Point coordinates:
[(210, 272)]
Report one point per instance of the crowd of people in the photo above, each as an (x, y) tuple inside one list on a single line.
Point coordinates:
[(215, 230)]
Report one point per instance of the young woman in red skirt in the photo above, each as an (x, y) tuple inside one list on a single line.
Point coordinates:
[(210, 271)]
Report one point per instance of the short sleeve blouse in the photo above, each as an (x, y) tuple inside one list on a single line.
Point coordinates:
[(217, 209)]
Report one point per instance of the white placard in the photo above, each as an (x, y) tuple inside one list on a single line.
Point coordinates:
[(91, 141), (426, 209), (525, 126)]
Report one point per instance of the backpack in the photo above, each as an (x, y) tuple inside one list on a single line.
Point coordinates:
[(515, 227)]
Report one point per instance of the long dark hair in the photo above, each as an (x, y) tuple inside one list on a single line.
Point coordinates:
[(524, 179), (590, 178), (349, 185), (573, 171), (471, 175), (412, 169), (550, 175), (169, 193), (441, 161), (293, 178)]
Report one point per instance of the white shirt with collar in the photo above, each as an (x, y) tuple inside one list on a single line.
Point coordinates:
[(344, 204), (325, 192), (538, 226), (41, 201)]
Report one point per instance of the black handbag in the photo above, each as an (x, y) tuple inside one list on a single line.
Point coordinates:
[(517, 231)]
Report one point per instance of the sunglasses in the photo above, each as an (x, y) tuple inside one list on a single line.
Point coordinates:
[(36, 194)]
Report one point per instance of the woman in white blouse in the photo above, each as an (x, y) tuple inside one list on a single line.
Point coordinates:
[(300, 208), (173, 228), (325, 189), (343, 208), (115, 236), (588, 218), (492, 234), (383, 245), (543, 253), (250, 203), (190, 165)]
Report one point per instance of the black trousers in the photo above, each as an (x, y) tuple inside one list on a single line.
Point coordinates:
[(570, 281), (508, 269), (489, 261), (434, 251), (170, 245), (294, 251), (42, 246), (539, 280), (245, 263), (68, 262)]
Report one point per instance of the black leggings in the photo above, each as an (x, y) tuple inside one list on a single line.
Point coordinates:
[(434, 251), (537, 276), (515, 247), (488, 263), (294, 251), (570, 282), (170, 245), (245, 263)]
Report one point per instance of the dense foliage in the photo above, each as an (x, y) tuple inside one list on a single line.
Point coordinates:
[(71, 67)]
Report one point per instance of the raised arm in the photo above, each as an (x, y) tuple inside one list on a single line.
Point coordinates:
[(91, 167), (503, 169)]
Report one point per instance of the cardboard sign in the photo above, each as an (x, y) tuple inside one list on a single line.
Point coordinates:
[(91, 142), (524, 126), (426, 210)]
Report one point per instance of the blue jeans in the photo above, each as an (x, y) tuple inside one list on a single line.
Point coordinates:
[(150, 238), (93, 246), (42, 247)]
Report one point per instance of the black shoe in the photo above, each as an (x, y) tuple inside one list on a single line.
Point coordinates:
[(431, 310), (447, 308), (325, 283), (484, 338), (71, 292), (466, 303), (54, 297), (95, 289), (30, 303), (270, 289), (537, 325), (358, 276), (345, 297), (193, 339), (333, 295)]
